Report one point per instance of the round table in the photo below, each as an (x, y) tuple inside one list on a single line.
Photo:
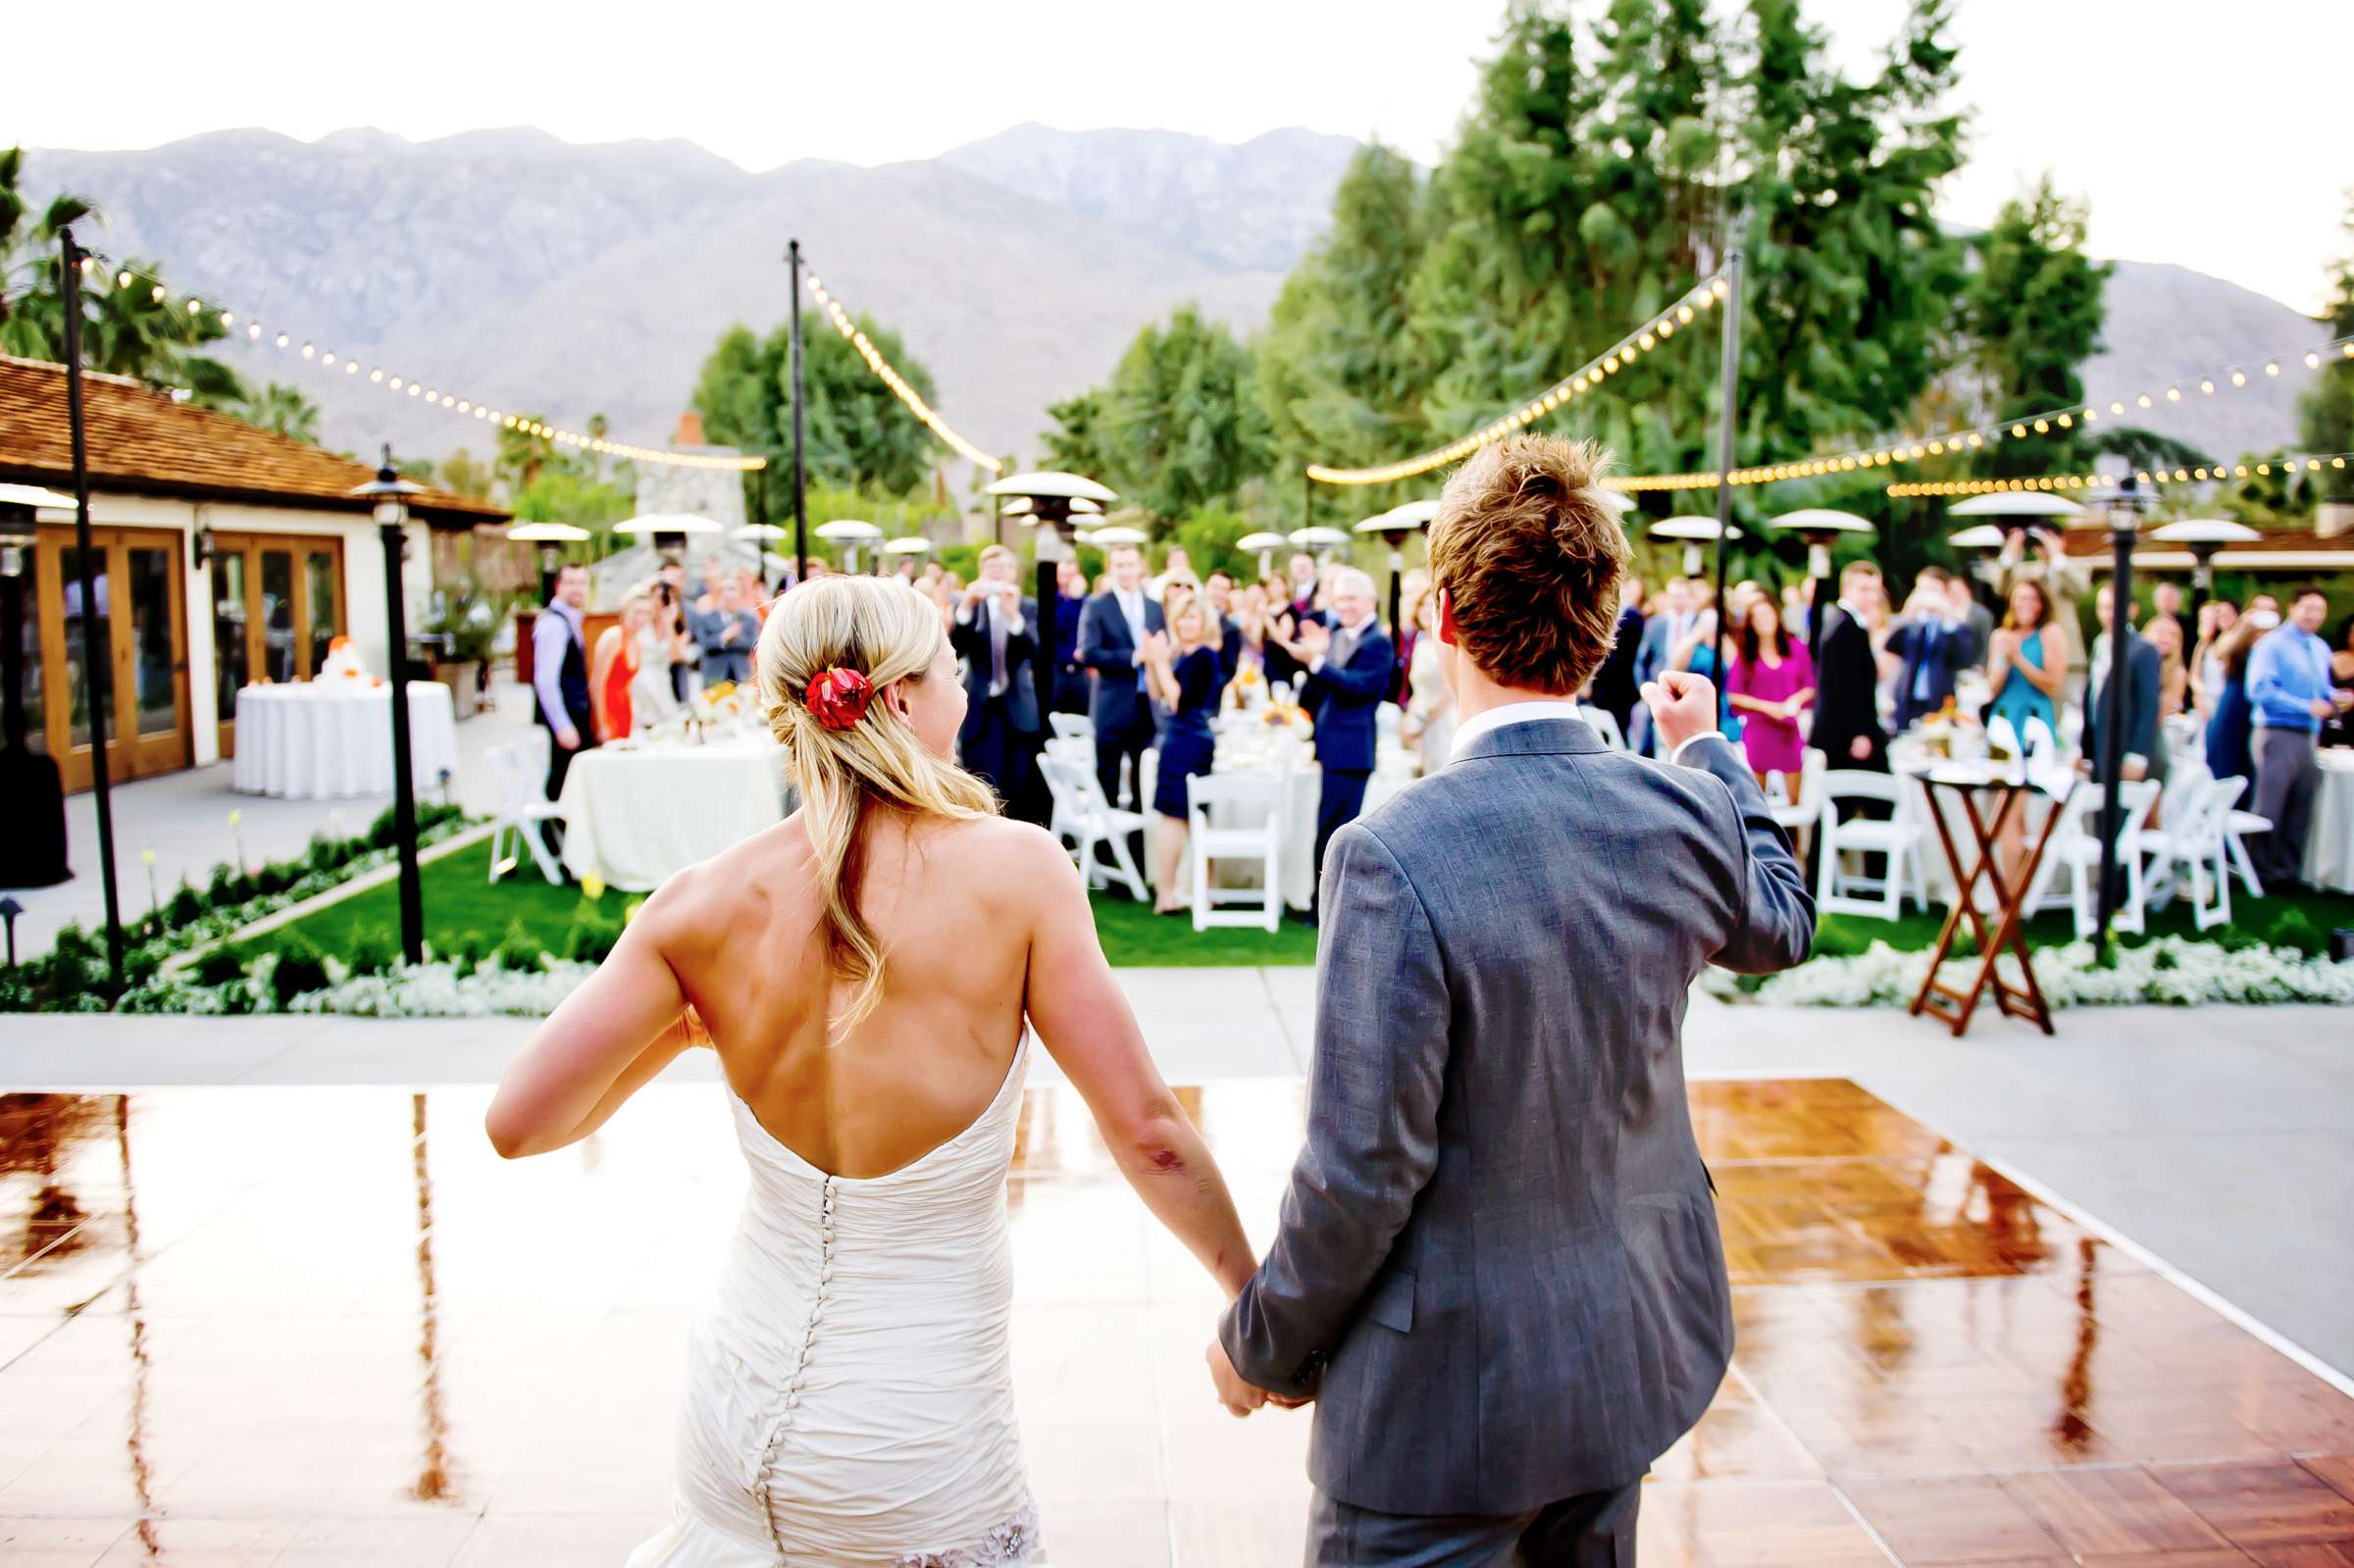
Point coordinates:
[(2329, 846), (332, 740), (635, 812)]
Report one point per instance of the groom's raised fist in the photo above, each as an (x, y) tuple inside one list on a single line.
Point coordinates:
[(1682, 705)]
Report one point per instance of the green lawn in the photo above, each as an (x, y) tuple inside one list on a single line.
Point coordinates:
[(462, 908)]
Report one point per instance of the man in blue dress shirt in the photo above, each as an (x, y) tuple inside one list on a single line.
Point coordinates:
[(2290, 691)]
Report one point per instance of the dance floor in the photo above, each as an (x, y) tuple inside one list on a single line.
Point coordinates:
[(323, 1326)]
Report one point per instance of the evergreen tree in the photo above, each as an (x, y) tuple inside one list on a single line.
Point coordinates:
[(2029, 317), (1338, 371), (856, 433), (1182, 422), (2326, 412)]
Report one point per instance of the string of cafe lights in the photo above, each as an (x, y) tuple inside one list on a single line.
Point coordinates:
[(256, 331), (891, 378), (1620, 355), (2209, 473), (2216, 382)]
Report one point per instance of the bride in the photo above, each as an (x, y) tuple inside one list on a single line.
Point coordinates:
[(863, 971)]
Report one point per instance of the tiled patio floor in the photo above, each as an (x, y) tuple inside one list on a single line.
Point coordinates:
[(327, 1326)]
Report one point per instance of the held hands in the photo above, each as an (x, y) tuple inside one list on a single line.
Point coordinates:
[(1238, 1395), (1682, 705)]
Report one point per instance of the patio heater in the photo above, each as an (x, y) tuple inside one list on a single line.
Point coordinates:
[(2119, 503), (1821, 528), (1050, 496), (33, 854), (908, 546), (1265, 544), (2009, 514), (2204, 536), (1694, 532), (1319, 540), (388, 492), (849, 532), (1393, 525), (551, 539), (760, 536)]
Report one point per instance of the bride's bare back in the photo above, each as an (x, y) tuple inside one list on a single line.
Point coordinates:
[(963, 906), (952, 905)]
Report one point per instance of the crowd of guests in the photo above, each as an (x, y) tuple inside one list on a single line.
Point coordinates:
[(2260, 687), (1150, 657)]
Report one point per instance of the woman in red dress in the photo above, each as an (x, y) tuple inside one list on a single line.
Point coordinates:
[(615, 666)]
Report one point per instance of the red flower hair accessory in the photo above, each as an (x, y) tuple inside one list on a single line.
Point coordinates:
[(839, 697)]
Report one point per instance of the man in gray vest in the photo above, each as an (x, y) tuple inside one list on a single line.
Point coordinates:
[(1497, 1272)]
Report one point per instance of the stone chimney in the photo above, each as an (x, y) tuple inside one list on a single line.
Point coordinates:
[(689, 432), (2335, 518)]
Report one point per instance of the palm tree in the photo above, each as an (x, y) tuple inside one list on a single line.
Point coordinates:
[(281, 408), (126, 328)]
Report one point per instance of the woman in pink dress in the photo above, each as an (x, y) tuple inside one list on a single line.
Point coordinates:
[(1770, 683)]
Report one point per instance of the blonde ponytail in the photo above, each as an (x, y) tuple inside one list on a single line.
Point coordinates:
[(886, 632)]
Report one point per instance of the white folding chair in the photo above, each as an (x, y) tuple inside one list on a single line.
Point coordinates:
[(1083, 816), (1072, 726), (2075, 855), (2237, 825), (518, 769), (1841, 889), (1251, 804), (1794, 815), (2189, 843)]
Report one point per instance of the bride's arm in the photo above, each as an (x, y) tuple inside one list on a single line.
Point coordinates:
[(607, 1040), (1086, 1023)]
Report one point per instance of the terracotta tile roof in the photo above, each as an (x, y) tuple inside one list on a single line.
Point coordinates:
[(142, 441)]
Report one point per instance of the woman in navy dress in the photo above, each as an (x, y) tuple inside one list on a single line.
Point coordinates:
[(1182, 666)]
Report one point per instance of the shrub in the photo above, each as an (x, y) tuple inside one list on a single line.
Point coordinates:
[(373, 952), (300, 968), (520, 950), (219, 967)]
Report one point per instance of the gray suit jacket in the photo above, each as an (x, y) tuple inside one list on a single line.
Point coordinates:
[(1497, 1262)]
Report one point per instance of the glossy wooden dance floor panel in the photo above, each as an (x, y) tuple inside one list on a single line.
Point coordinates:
[(281, 1326)]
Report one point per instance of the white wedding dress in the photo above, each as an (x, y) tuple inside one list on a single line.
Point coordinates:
[(849, 1393)]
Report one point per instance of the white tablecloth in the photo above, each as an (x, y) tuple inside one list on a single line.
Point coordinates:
[(1301, 783), (332, 739), (633, 814), (2329, 848)]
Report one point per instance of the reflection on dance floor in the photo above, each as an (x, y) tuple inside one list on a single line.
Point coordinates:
[(279, 1326)]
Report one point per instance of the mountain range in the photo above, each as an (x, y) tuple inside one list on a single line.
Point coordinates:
[(531, 274)]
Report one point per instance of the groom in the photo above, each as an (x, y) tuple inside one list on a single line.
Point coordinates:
[(1498, 1271)]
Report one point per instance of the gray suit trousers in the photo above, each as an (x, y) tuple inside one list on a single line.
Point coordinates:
[(1593, 1530)]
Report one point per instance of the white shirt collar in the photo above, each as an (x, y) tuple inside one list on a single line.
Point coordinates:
[(1528, 712)]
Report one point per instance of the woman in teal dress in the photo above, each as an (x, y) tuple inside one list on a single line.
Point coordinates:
[(2026, 664), (1699, 652)]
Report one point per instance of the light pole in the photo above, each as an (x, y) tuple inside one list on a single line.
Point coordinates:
[(801, 467), (2121, 505), (388, 490), (96, 691), (1730, 354)]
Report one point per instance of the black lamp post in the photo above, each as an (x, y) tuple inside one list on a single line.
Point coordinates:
[(1053, 497), (2122, 504), (388, 491)]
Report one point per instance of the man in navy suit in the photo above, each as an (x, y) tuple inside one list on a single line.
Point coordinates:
[(1112, 636), (1348, 670), (996, 635)]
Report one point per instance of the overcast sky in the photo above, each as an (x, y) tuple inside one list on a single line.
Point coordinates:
[(2223, 140)]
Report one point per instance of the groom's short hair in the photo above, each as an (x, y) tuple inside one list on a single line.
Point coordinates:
[(1529, 555)]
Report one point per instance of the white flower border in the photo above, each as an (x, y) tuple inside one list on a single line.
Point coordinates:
[(2172, 971)]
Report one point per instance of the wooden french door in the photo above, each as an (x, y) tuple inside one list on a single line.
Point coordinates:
[(139, 578), (278, 603)]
